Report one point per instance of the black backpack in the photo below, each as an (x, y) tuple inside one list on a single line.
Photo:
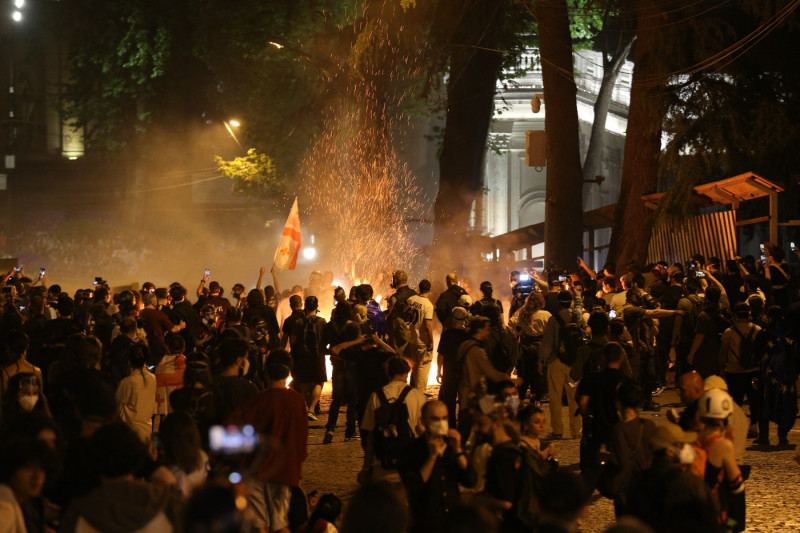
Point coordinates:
[(392, 431), (311, 340), (570, 338), (747, 348), (504, 350), (531, 475)]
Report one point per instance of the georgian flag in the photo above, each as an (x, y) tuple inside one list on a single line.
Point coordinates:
[(289, 247)]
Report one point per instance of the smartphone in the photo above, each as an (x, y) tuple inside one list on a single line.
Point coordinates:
[(17, 269), (762, 248), (612, 313), (208, 273), (524, 277), (232, 440), (793, 247), (562, 279), (699, 274), (41, 271), (763, 259)]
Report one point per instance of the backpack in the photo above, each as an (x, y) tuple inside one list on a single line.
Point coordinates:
[(504, 350), (400, 317), (392, 431), (311, 340), (570, 338), (531, 474), (747, 348)]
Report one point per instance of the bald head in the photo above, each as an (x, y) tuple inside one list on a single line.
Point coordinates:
[(433, 410), (691, 387), (451, 279)]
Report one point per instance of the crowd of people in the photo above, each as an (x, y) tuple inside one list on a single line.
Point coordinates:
[(161, 410)]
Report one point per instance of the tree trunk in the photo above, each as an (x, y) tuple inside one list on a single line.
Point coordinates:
[(563, 229), (632, 220), (470, 103), (611, 68)]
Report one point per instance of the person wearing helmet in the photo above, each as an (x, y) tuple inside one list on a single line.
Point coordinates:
[(723, 476)]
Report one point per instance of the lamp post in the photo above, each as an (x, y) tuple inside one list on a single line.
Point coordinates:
[(230, 125)]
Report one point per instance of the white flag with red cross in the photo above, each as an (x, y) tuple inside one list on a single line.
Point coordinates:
[(289, 247)]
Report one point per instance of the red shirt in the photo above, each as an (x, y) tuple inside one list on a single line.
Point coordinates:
[(156, 322), (280, 418)]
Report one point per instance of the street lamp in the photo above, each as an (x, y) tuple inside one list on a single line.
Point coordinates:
[(230, 125), (309, 252)]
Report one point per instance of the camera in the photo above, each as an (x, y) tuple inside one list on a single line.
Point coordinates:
[(562, 279), (763, 259), (208, 273), (232, 440), (41, 271), (699, 274), (612, 313)]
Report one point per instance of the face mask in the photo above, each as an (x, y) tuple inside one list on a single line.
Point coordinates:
[(28, 402), (438, 428), (513, 403), (687, 455)]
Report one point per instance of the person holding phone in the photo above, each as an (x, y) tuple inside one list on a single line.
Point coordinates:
[(432, 469)]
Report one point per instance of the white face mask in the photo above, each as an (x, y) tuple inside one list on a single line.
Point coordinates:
[(687, 455), (513, 402), (28, 402), (438, 428)]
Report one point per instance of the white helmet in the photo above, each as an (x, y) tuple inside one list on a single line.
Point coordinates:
[(715, 403)]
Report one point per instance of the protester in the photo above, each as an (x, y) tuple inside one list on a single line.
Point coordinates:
[(136, 397), (432, 468), (420, 340), (391, 421), (562, 338), (279, 415)]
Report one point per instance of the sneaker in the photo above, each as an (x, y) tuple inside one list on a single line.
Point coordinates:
[(350, 435), (328, 438), (658, 391), (312, 416)]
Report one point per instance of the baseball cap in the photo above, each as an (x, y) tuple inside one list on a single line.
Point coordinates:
[(667, 434)]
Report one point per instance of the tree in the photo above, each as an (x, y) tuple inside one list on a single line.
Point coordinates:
[(642, 143), (475, 47), (723, 100), (564, 204)]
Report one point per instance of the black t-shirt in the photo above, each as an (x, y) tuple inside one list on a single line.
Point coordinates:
[(504, 481), (601, 388), (231, 392)]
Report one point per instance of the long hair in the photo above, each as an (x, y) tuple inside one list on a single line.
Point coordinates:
[(181, 442)]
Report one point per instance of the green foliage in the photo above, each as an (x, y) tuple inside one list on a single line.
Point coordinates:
[(253, 174), (736, 116)]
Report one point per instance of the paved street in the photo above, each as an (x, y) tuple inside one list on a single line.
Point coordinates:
[(772, 491)]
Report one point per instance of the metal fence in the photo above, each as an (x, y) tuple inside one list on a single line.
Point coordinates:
[(712, 234)]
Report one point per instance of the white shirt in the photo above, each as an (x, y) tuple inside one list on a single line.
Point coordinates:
[(418, 333), (136, 397), (414, 401), (11, 518)]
